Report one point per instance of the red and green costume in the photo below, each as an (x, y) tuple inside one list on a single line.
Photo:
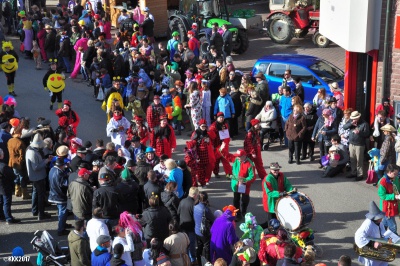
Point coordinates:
[(271, 187), (388, 204)]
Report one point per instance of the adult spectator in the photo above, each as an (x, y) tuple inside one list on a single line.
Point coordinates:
[(324, 129), (285, 106), (175, 175), (295, 128), (289, 256), (186, 220), (223, 235), (124, 15), (17, 149), (151, 187), (50, 42), (81, 194), (274, 186), (128, 190), (262, 88), (170, 199), (124, 237), (155, 221), (216, 40), (5, 136), (215, 83), (320, 100), (96, 227), (387, 152), (78, 9), (344, 134), (268, 123), (78, 159), (227, 38), (136, 147), (36, 166), (107, 198), (90, 156), (108, 168), (359, 131), (233, 81), (236, 99), (119, 252), (148, 27), (380, 120), (79, 247), (299, 91), (176, 245), (337, 93), (385, 106), (6, 191), (337, 113), (311, 119), (253, 108), (288, 81), (344, 260), (100, 255), (187, 177), (336, 168)]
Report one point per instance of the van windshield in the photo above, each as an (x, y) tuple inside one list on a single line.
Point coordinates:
[(327, 71)]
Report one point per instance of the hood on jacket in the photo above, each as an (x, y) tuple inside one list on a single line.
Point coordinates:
[(73, 237), (100, 250), (117, 262)]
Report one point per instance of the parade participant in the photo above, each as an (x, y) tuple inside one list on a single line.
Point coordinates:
[(192, 161), (205, 151), (372, 227), (388, 192), (72, 116), (53, 81), (113, 98), (9, 64), (241, 179), (252, 147), (223, 235), (172, 45), (164, 140), (176, 110), (216, 130), (117, 128), (193, 43), (359, 130), (251, 230), (138, 129), (274, 186), (153, 113)]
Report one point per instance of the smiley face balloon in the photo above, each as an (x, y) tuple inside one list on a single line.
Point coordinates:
[(9, 63), (55, 82)]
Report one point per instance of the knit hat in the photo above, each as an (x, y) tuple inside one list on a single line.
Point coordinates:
[(220, 114), (202, 122), (67, 102), (175, 33), (254, 122)]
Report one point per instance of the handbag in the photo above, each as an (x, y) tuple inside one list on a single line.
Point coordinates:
[(327, 143), (205, 225), (22, 47), (372, 177)]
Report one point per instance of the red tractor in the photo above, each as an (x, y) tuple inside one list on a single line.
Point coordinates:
[(290, 18)]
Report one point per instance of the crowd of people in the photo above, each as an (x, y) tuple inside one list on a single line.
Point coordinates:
[(130, 194)]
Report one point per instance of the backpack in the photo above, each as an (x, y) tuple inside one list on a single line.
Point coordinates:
[(6, 9)]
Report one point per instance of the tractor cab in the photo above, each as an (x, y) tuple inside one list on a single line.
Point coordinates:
[(200, 11), (287, 5)]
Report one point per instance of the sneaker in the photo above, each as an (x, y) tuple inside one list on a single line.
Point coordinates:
[(63, 233), (208, 183), (13, 221)]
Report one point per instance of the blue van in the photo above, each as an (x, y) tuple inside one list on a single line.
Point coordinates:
[(313, 71)]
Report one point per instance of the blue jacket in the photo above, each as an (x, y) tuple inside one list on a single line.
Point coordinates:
[(285, 105), (176, 175), (106, 81), (100, 256), (225, 105), (198, 216), (58, 181)]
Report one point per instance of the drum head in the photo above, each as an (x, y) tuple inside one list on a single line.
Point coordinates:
[(288, 213)]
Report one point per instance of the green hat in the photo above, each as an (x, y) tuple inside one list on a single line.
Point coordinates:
[(174, 66), (175, 33)]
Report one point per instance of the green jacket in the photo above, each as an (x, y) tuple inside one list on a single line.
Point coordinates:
[(79, 248), (244, 169), (270, 191)]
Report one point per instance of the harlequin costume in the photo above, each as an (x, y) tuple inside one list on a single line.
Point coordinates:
[(387, 190), (176, 109), (72, 116), (138, 129), (241, 169), (192, 161), (223, 235), (9, 64), (252, 147), (153, 113), (53, 81), (216, 141), (205, 152), (164, 139), (251, 230), (272, 188)]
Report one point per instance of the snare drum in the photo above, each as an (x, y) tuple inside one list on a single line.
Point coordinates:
[(294, 211)]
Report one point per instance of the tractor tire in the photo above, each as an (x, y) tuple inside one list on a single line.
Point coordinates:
[(203, 46), (242, 43), (280, 28), (177, 25), (320, 40)]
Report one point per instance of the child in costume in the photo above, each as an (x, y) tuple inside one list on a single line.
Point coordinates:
[(54, 82), (135, 106), (9, 64), (138, 129), (251, 230), (177, 110), (36, 55), (165, 97), (72, 116), (192, 161)]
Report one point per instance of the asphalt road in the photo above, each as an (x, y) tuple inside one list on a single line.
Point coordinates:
[(340, 204)]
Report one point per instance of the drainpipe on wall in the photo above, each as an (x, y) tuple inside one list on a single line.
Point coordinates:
[(386, 49)]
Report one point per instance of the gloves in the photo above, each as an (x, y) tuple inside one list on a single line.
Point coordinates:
[(397, 197), (282, 194)]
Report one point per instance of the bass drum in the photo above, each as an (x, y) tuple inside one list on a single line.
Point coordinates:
[(294, 211)]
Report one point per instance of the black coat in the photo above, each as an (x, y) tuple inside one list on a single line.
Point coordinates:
[(65, 47), (237, 102), (141, 171), (128, 191), (107, 198), (75, 162), (148, 27), (311, 120), (171, 201), (227, 37), (6, 179), (185, 211), (88, 56), (215, 85), (151, 188), (50, 42), (187, 182), (155, 222), (217, 40)]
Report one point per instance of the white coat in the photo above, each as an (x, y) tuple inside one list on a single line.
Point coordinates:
[(118, 138), (268, 118)]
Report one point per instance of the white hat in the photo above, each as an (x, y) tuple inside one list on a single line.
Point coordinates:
[(37, 141)]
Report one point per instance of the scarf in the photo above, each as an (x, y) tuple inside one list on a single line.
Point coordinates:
[(117, 117)]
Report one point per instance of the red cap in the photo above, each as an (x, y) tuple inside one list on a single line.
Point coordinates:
[(156, 97), (190, 32), (139, 118), (240, 152), (220, 114), (97, 16), (254, 122), (162, 117), (84, 171), (202, 122), (66, 102)]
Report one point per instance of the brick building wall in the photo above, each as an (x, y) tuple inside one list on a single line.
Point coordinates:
[(392, 76)]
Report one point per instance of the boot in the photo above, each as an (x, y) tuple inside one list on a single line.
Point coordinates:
[(51, 106), (25, 194), (11, 90), (18, 191), (60, 105)]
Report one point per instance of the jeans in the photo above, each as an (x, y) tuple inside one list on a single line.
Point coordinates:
[(20, 178), (39, 197), (284, 133), (192, 245), (67, 64), (84, 74), (390, 223), (62, 216), (5, 201)]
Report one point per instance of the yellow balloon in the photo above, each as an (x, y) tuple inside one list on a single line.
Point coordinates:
[(55, 82), (9, 63)]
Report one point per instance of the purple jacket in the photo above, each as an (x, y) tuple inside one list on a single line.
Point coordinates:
[(223, 236)]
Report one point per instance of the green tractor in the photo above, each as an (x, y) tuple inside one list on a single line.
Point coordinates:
[(205, 13)]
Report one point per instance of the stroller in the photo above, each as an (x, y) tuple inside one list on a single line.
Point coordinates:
[(50, 253)]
